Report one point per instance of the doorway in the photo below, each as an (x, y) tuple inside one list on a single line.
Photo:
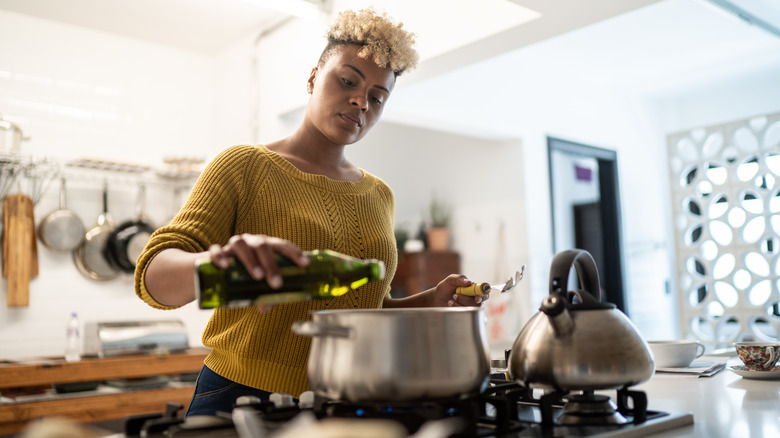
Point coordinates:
[(586, 210)]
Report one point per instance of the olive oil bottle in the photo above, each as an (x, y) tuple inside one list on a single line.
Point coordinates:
[(329, 274)]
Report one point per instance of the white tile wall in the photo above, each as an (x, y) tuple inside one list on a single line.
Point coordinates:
[(79, 93)]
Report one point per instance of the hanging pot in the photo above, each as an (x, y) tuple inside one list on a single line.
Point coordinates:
[(11, 137), (89, 256), (128, 240), (62, 229)]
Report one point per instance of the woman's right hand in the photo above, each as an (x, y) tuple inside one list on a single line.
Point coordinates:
[(257, 253)]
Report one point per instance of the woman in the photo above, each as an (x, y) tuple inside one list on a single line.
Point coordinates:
[(297, 193)]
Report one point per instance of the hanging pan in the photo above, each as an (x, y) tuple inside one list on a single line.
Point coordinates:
[(128, 240), (89, 256), (62, 229)]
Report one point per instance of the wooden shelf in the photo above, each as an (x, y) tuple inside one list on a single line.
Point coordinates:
[(418, 271), (59, 371), (14, 417), (94, 406)]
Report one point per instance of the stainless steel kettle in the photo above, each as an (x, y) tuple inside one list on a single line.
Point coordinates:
[(577, 342)]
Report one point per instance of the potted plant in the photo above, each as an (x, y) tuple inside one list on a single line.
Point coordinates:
[(401, 236), (439, 217)]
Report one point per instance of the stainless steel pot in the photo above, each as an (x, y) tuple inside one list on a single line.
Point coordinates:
[(397, 354), (11, 137)]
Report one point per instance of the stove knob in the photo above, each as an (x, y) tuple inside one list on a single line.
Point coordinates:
[(306, 400), (281, 400), (248, 400)]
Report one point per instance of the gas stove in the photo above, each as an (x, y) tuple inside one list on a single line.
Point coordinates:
[(504, 410)]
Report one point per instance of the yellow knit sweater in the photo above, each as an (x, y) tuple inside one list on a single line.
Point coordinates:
[(250, 189)]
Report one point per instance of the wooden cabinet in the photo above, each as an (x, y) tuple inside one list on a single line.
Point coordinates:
[(418, 271), (93, 406)]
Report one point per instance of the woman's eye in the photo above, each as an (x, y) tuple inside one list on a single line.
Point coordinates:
[(347, 81), (376, 100)]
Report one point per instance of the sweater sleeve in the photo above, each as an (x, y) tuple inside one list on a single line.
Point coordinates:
[(207, 217)]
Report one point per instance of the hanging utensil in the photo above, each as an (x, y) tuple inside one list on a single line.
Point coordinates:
[(90, 255), (18, 248), (128, 240), (29, 213), (14, 204), (62, 229), (482, 289), (7, 201), (9, 167)]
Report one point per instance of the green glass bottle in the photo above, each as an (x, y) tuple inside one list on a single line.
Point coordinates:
[(329, 274)]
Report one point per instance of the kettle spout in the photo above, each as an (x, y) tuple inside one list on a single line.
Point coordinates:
[(554, 306)]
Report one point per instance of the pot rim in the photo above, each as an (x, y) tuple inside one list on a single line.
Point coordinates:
[(402, 310)]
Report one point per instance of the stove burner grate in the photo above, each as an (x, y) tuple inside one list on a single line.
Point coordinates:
[(590, 408)]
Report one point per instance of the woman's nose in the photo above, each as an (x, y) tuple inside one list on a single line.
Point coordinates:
[(360, 102)]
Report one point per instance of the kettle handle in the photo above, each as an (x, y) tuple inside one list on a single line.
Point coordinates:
[(586, 271)]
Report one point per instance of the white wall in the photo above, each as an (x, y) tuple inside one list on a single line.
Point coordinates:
[(483, 181), (80, 93)]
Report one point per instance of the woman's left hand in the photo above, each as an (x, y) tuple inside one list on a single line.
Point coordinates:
[(444, 293)]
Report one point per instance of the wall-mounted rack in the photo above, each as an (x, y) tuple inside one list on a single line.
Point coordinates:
[(33, 175)]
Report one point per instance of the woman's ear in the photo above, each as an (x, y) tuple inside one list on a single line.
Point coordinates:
[(310, 82)]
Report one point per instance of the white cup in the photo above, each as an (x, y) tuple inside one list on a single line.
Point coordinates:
[(675, 354)]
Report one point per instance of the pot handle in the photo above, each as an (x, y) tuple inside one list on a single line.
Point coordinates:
[(312, 329), (586, 271)]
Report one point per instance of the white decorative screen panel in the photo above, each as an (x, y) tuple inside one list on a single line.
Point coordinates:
[(725, 187)]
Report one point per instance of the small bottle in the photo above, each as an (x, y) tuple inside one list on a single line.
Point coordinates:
[(73, 339), (329, 274)]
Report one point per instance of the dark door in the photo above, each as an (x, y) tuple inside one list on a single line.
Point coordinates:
[(586, 210), (588, 231)]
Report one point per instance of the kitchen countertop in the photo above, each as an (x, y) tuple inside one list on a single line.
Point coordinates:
[(724, 405)]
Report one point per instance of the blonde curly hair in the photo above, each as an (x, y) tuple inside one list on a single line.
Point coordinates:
[(388, 43)]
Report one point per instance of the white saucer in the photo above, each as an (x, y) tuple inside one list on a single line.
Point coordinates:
[(772, 374)]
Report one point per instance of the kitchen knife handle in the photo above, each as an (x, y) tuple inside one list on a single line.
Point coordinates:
[(475, 290)]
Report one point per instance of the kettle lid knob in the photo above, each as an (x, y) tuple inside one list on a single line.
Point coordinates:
[(555, 307)]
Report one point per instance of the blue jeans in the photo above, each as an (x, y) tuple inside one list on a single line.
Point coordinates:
[(214, 393)]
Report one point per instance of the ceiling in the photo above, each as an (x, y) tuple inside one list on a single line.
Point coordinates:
[(651, 43), (658, 51), (203, 26), (209, 26)]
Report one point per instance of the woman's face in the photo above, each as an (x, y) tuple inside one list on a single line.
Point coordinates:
[(348, 94)]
